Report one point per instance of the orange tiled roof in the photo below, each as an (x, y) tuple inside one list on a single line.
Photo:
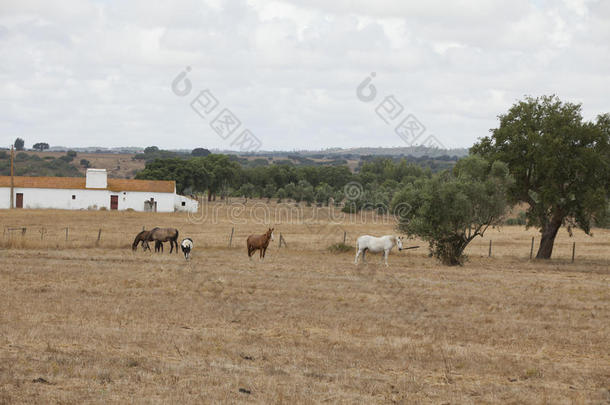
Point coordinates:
[(157, 186)]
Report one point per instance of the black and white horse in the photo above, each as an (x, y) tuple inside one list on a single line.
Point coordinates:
[(187, 246)]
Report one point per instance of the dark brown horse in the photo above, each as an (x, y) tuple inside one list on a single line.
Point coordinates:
[(142, 237), (160, 235), (259, 242)]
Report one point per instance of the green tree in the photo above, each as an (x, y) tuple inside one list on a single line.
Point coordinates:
[(323, 193), (40, 146), (199, 152), (561, 164), (246, 190), (85, 163), (169, 169), (19, 144), (452, 208)]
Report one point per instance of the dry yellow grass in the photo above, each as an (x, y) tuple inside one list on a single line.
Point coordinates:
[(104, 324)]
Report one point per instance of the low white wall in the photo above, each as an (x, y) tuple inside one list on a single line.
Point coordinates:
[(5, 197), (190, 205)]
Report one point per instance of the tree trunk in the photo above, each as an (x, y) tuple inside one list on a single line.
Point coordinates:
[(549, 231), (209, 195)]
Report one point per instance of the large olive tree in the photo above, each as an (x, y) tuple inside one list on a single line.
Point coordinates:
[(560, 163)]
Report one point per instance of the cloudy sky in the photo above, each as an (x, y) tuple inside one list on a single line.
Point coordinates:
[(100, 73)]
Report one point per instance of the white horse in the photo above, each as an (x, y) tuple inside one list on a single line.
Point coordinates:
[(374, 244)]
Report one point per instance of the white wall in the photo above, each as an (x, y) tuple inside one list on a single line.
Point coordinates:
[(5, 197), (87, 199), (190, 205)]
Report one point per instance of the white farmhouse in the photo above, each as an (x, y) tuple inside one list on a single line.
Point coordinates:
[(95, 191)]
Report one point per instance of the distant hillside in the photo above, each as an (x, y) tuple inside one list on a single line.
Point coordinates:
[(125, 162), (414, 151)]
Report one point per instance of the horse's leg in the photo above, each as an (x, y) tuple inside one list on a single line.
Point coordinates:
[(363, 255), (385, 256), (357, 255)]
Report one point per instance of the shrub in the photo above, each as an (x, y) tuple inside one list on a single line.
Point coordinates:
[(340, 248)]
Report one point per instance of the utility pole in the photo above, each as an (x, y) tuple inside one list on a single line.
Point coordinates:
[(12, 177)]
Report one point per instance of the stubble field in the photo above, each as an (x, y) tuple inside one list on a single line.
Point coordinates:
[(83, 321)]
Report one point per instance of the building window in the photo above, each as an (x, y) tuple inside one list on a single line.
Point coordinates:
[(73, 197), (184, 203)]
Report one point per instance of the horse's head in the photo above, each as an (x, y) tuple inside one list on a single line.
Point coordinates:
[(270, 234), (399, 242), (136, 241)]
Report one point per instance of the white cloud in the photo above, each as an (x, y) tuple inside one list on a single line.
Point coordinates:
[(99, 72)]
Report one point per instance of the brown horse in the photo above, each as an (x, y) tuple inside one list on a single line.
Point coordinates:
[(259, 242), (144, 237), (160, 235)]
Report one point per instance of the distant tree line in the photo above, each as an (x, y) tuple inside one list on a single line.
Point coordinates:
[(222, 175)]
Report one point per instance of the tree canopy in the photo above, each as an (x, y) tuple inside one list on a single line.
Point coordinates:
[(452, 208), (40, 146), (19, 144), (560, 163)]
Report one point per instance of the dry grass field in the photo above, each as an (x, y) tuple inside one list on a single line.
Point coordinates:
[(89, 322)]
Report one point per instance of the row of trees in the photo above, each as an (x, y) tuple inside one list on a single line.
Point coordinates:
[(220, 175)]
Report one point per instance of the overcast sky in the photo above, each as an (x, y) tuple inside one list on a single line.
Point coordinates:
[(100, 73)]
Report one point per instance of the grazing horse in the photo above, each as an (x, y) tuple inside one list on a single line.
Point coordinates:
[(374, 244), (142, 237), (261, 242), (187, 246), (160, 235)]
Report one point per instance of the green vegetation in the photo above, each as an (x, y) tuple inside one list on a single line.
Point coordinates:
[(222, 175), (452, 208), (40, 146), (560, 163), (33, 165), (19, 144), (340, 248)]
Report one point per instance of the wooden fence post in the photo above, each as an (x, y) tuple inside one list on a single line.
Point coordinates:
[(66, 233), (99, 236), (23, 231), (532, 249), (231, 238), (42, 232), (573, 250), (344, 236), (489, 254)]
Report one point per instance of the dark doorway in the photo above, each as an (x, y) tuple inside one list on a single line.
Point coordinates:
[(114, 202), (19, 200)]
